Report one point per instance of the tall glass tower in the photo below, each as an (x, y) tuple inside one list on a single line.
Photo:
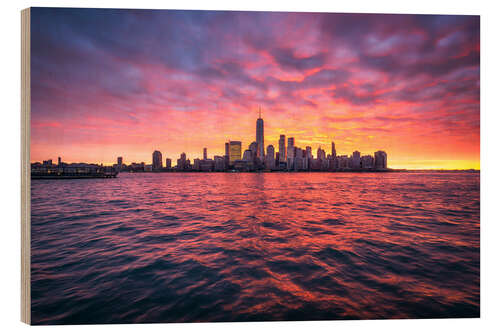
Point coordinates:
[(260, 137), (157, 160), (282, 148), (234, 151)]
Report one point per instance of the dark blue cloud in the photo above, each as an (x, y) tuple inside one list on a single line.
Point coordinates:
[(286, 58), (102, 50)]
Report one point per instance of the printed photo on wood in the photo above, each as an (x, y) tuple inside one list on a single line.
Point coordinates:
[(225, 166)]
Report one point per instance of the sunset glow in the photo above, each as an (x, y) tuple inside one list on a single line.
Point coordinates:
[(111, 83)]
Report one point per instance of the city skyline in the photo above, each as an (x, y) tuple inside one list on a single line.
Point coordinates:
[(365, 81), (281, 152), (285, 157), (254, 158)]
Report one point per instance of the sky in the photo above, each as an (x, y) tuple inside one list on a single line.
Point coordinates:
[(108, 83)]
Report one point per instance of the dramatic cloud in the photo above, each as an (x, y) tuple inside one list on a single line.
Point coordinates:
[(125, 82)]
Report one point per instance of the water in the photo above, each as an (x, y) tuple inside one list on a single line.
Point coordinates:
[(238, 247)]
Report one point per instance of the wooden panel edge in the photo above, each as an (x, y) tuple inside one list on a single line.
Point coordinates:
[(25, 167)]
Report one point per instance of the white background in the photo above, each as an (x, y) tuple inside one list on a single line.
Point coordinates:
[(490, 152)]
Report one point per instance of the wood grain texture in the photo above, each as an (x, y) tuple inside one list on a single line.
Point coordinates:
[(25, 168)]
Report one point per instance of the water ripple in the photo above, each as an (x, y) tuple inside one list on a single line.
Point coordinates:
[(237, 247)]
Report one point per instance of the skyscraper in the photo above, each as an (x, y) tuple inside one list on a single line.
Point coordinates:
[(234, 151), (298, 161), (270, 161), (282, 148), (248, 156), (260, 137), (321, 155), (309, 152), (219, 163), (380, 160), (254, 147), (290, 149), (157, 160), (356, 160), (119, 161), (226, 155), (334, 151), (367, 162), (181, 162), (204, 153)]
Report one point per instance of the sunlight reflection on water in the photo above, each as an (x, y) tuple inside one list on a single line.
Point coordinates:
[(174, 247)]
